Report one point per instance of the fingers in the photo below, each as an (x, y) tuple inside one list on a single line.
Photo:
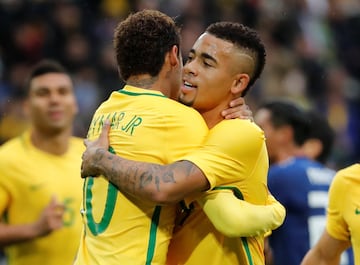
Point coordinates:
[(103, 137), (86, 142), (84, 174), (103, 140), (238, 112), (238, 109), (56, 205), (92, 153), (105, 130), (53, 201), (237, 102)]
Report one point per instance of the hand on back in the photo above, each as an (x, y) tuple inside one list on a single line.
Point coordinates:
[(94, 151), (238, 109)]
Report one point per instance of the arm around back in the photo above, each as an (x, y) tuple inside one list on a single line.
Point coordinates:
[(237, 218), (161, 184)]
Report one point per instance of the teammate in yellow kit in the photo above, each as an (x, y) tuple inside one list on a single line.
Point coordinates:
[(224, 62), (342, 221), (40, 191)]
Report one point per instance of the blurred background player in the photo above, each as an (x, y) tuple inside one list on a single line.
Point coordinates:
[(299, 144), (40, 188)]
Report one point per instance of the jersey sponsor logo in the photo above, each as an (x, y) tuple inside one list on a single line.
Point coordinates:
[(37, 186), (357, 211)]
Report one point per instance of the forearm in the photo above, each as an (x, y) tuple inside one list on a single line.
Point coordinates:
[(161, 184), (13, 234), (327, 251), (236, 218), (315, 257)]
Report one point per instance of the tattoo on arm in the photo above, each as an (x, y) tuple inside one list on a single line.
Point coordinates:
[(138, 177)]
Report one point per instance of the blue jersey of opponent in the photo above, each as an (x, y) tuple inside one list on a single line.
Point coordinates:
[(301, 185)]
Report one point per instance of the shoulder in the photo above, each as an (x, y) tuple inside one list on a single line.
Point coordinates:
[(279, 171), (285, 169), (176, 108), (10, 149), (175, 114), (9, 144), (350, 170), (240, 138), (239, 124), (295, 165), (317, 173), (238, 132), (77, 140), (347, 175), (77, 144)]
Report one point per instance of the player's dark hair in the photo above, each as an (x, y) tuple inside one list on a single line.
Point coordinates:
[(285, 113), (244, 38), (320, 129), (142, 40), (44, 67)]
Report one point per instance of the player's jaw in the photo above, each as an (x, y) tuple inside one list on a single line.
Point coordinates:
[(188, 92)]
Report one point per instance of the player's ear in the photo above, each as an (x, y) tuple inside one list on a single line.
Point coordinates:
[(312, 148), (240, 83), (174, 56)]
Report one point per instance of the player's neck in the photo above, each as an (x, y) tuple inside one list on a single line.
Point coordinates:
[(287, 153), (144, 81), (147, 81), (56, 143), (211, 117)]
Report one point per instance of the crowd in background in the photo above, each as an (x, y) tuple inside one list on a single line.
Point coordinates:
[(313, 53)]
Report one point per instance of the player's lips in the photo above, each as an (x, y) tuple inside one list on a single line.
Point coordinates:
[(188, 87), (56, 114)]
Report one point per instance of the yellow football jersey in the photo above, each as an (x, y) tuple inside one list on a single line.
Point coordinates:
[(233, 157), (145, 126), (29, 179)]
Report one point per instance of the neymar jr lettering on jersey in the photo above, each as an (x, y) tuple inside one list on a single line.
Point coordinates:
[(119, 121)]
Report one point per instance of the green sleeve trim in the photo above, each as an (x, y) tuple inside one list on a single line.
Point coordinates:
[(238, 194), (247, 250)]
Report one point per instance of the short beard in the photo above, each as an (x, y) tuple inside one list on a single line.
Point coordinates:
[(186, 103)]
